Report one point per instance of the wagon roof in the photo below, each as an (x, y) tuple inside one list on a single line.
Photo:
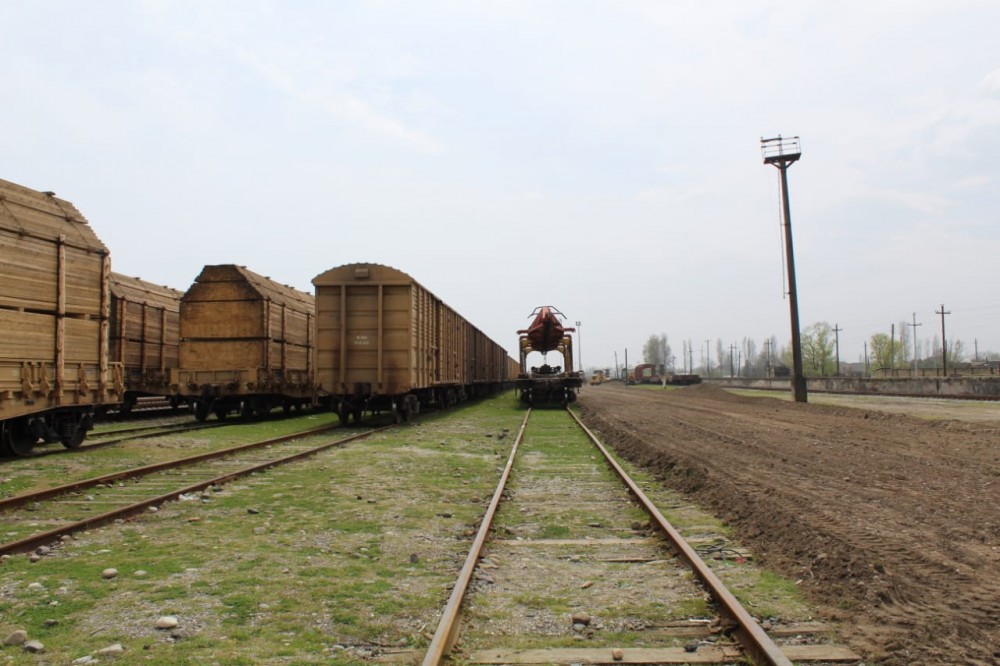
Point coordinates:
[(363, 271), (264, 286), (42, 215), (138, 290)]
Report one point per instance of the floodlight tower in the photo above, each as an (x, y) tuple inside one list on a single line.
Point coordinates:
[(782, 152)]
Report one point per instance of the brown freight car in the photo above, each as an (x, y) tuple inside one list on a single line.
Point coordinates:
[(246, 344), (385, 343), (54, 308), (145, 336)]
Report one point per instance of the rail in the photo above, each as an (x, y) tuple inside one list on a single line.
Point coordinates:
[(43, 538), (752, 638)]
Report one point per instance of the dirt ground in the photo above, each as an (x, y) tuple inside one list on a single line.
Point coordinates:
[(890, 523)]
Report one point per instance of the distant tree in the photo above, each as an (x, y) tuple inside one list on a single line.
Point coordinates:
[(656, 350), (818, 349), (956, 352), (879, 348), (749, 357), (905, 346)]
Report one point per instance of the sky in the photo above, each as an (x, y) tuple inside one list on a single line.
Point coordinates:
[(600, 157)]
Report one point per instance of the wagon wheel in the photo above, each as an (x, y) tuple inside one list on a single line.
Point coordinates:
[(128, 404), (221, 413), (73, 436), (261, 408), (343, 413), (15, 440), (356, 414), (201, 409)]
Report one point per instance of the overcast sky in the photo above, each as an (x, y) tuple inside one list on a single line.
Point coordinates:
[(601, 157)]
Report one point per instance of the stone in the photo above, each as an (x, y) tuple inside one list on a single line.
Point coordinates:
[(51, 622), (35, 587), (691, 647), (414, 558), (166, 622), (253, 512), (43, 550), (34, 557), (617, 654), (86, 659), (17, 637), (109, 573), (34, 646), (140, 573), (154, 509), (581, 618), (113, 649)]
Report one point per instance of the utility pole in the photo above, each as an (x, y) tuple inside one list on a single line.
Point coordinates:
[(708, 358), (767, 350), (782, 153), (944, 342), (579, 344), (732, 368), (867, 370), (914, 326), (975, 342), (618, 372), (690, 357), (892, 351), (626, 367), (836, 342)]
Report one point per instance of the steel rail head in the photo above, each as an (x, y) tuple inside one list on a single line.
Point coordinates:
[(20, 500), (44, 538), (751, 636), (444, 634)]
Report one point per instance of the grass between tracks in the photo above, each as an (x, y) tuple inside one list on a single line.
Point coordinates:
[(20, 475), (330, 560), (323, 560)]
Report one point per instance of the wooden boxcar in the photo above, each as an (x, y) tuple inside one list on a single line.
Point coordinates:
[(386, 343), (145, 335), (246, 344), (54, 308)]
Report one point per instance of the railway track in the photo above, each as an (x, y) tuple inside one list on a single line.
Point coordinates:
[(572, 517), (110, 437), (93, 502)]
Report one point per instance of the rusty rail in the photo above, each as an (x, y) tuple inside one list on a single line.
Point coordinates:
[(754, 640), (44, 538), (445, 634)]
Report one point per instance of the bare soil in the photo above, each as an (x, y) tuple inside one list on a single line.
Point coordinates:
[(889, 523)]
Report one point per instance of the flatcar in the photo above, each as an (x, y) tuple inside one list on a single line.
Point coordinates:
[(55, 368), (246, 344), (385, 343), (145, 336)]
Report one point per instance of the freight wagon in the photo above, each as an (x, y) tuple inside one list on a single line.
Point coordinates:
[(54, 308), (386, 343), (246, 344), (649, 373), (145, 336)]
